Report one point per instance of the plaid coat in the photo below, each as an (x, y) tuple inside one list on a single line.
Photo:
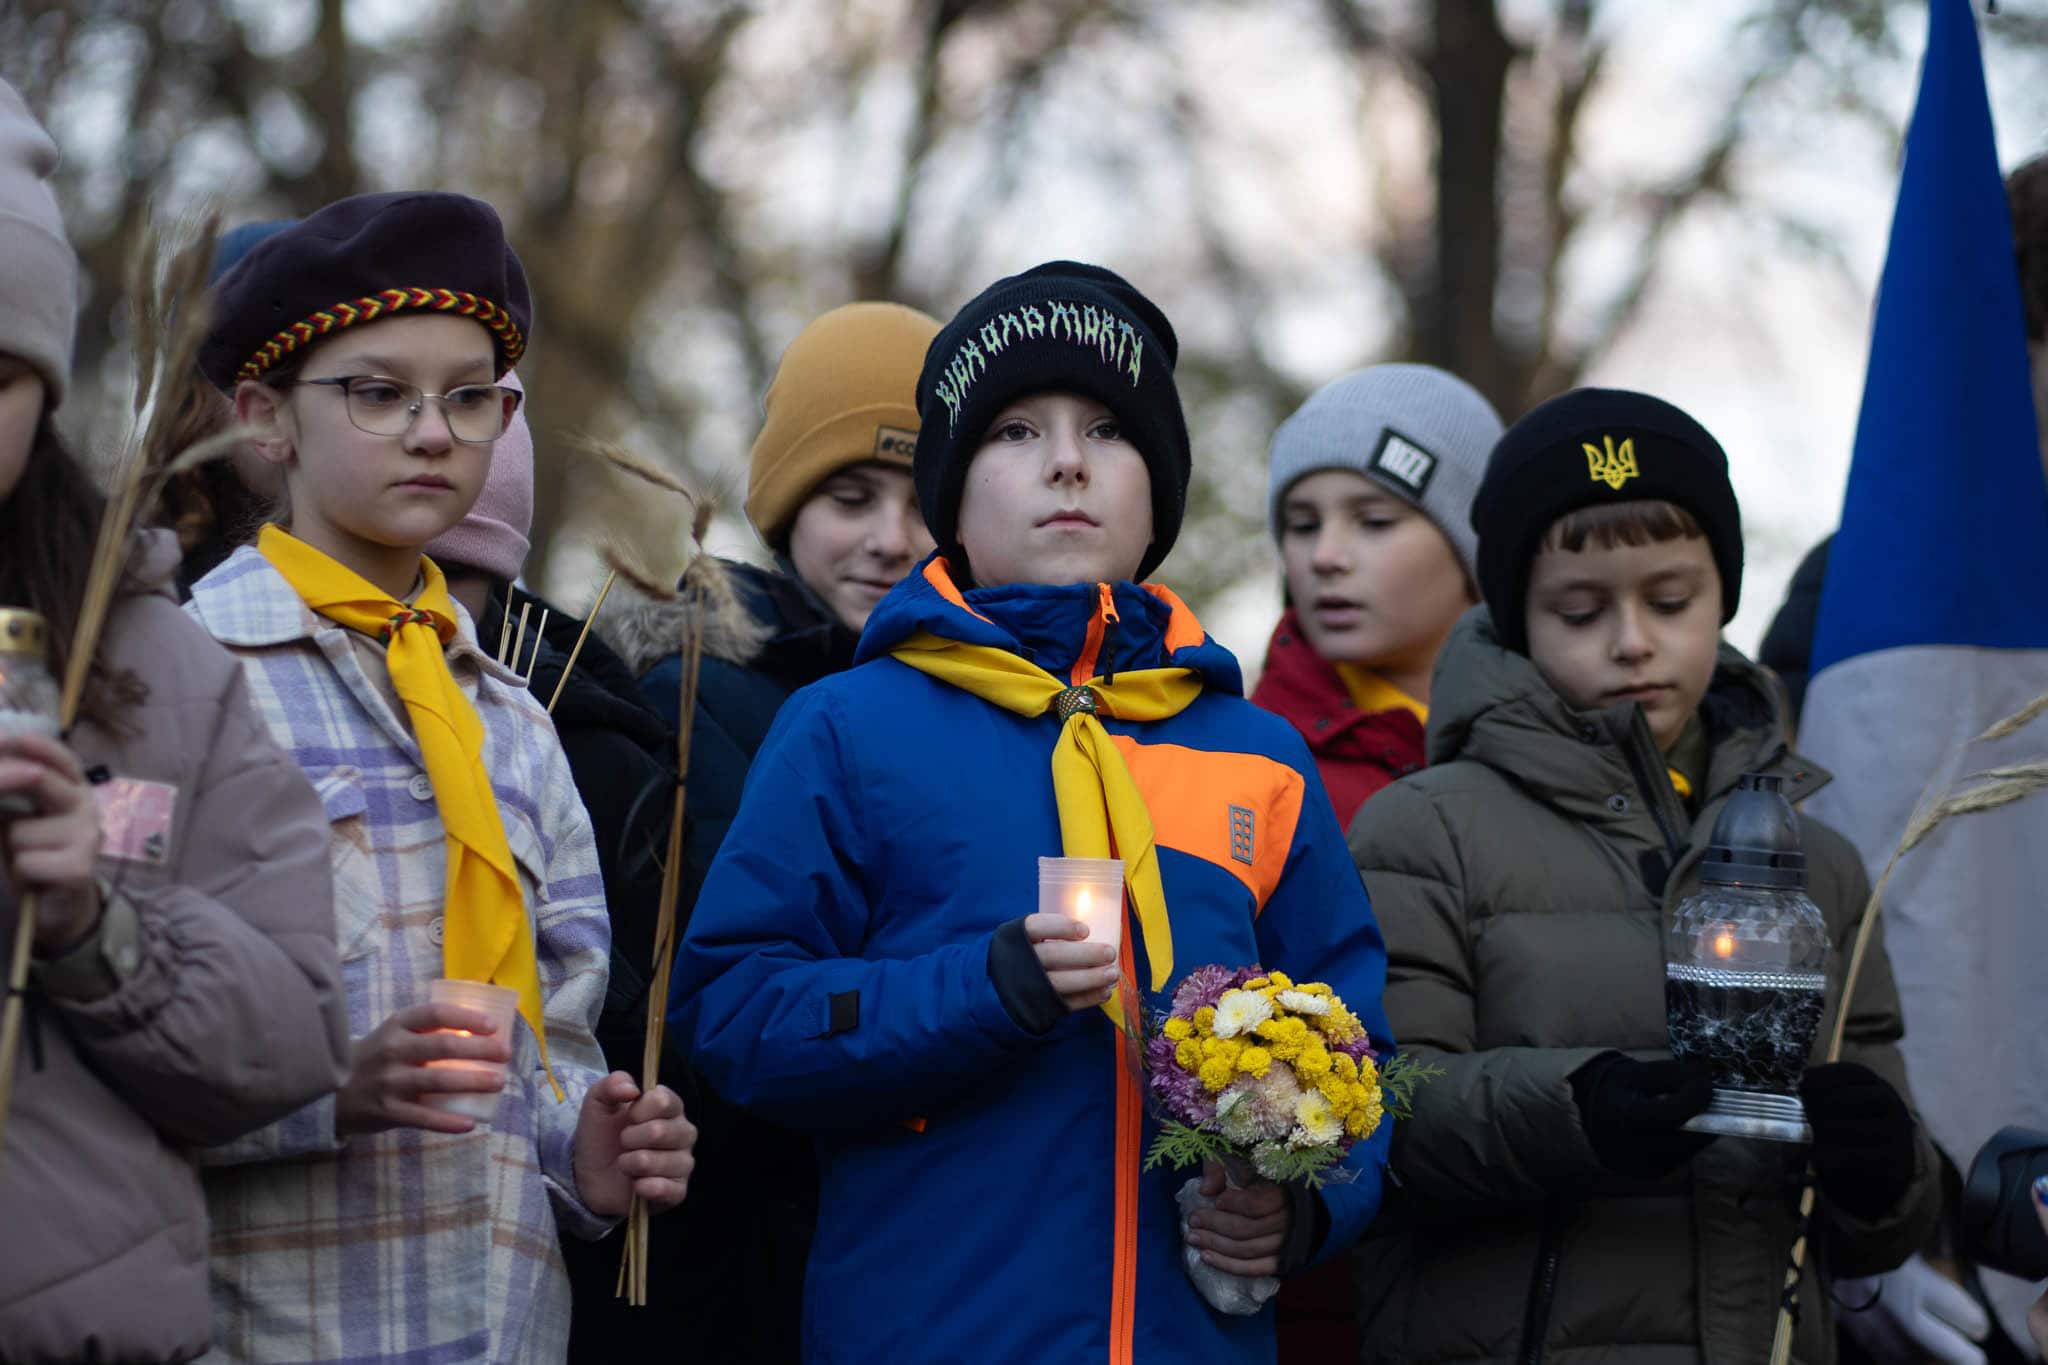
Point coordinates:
[(407, 1245)]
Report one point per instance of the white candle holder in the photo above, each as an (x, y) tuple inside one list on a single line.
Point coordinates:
[(502, 1005), (1090, 890)]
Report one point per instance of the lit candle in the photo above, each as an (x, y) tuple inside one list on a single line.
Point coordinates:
[(501, 1005), (1090, 890)]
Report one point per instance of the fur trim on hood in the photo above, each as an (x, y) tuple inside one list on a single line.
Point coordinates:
[(643, 628)]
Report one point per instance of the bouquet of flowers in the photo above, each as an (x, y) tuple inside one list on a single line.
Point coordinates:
[(1267, 1077), (1257, 1071)]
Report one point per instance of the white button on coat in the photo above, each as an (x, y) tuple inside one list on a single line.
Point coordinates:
[(421, 787)]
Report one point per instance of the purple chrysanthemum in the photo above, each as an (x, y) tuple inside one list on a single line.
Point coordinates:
[(1181, 1094), (1205, 986), (1202, 986)]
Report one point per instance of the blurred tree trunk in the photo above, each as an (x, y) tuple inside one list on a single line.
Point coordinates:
[(1452, 305)]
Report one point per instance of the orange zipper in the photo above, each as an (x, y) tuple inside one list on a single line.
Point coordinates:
[(1130, 1121)]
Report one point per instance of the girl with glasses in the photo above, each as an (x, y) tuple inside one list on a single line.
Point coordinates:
[(413, 1214)]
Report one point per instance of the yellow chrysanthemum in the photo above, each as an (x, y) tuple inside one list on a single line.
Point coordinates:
[(1254, 1061), (1313, 1062), (1346, 1069), (1188, 1056), (1177, 1029), (1314, 988), (1215, 1074), (1205, 1019), (1224, 1050), (1365, 1119), (1335, 1090), (1279, 979)]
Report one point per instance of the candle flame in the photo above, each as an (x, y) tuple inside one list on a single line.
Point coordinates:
[(1724, 944), (1083, 902)]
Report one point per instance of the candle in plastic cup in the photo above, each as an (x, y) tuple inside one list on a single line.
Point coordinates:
[(501, 1005), (1090, 890)]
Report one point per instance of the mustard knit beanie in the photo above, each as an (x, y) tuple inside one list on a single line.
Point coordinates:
[(844, 394)]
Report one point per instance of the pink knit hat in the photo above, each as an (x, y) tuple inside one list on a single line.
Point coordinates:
[(493, 536)]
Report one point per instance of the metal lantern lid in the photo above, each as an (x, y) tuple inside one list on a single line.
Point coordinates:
[(1756, 839), (23, 632)]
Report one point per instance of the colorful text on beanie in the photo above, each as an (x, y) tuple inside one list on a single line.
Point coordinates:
[(1061, 327), (361, 259), (1590, 447)]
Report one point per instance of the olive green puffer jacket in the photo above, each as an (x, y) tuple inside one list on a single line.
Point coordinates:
[(1523, 882)]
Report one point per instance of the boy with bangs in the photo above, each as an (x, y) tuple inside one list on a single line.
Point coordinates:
[(864, 964), (1586, 727)]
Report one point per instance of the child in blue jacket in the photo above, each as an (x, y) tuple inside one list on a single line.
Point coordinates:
[(864, 963)]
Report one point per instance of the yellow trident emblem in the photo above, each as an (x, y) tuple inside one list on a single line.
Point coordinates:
[(1612, 467)]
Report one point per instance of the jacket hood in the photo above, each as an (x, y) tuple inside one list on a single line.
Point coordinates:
[(643, 628), (1052, 626), (1490, 704)]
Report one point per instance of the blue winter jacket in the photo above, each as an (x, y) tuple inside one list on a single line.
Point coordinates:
[(981, 1194)]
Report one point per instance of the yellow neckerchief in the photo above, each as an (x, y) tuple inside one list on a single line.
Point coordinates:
[(1372, 693), (487, 936), (1687, 757), (1092, 786)]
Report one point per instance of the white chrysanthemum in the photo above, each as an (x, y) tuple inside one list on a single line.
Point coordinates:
[(1301, 1002), (1237, 1115), (1241, 1012), (1316, 1124)]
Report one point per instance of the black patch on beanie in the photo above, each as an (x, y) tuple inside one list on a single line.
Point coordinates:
[(1586, 448), (1406, 464), (1061, 327)]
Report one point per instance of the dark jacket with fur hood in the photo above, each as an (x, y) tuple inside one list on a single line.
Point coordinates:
[(733, 1255), (1522, 882)]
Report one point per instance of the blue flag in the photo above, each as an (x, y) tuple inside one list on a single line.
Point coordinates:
[(1944, 536)]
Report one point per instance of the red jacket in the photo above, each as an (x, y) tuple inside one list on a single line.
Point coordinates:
[(1357, 752)]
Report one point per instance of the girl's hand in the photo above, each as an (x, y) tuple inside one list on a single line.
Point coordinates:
[(51, 852), (628, 1143), (1243, 1234), (388, 1074), (1084, 974)]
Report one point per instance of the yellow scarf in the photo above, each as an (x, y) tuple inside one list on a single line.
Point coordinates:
[(487, 936), (1093, 788), (1372, 693)]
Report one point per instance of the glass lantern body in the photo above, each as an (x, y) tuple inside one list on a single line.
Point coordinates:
[(1745, 978), (28, 692)]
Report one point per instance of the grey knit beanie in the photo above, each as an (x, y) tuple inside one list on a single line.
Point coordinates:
[(38, 272), (1418, 432)]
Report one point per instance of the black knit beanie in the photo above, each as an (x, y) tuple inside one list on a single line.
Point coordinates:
[(1584, 448), (1060, 327)]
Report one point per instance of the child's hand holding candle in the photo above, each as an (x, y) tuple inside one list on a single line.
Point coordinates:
[(418, 1060), (1078, 929)]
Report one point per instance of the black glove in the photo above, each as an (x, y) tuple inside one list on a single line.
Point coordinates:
[(1862, 1138), (1632, 1110)]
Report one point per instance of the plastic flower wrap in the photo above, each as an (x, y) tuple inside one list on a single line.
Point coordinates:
[(1255, 1069)]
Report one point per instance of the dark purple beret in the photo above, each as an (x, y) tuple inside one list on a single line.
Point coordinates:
[(361, 259)]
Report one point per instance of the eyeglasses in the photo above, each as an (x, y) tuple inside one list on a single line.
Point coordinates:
[(475, 413)]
